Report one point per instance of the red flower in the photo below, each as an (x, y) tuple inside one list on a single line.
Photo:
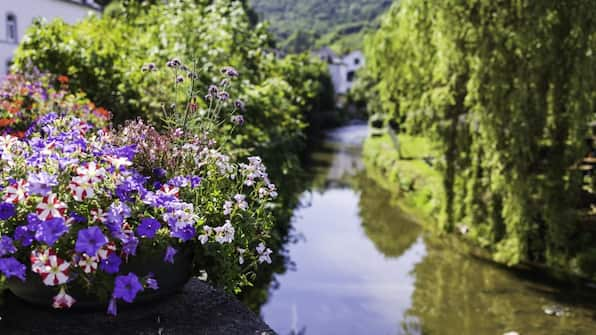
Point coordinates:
[(63, 79)]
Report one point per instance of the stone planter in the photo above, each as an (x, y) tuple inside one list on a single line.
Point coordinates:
[(170, 278)]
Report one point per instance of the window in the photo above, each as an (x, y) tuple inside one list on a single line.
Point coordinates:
[(8, 65), (11, 28), (356, 61), (350, 76)]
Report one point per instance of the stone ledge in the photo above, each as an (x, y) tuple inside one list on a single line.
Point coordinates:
[(198, 309)]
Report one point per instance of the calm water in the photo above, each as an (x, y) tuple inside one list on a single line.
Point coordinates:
[(364, 267)]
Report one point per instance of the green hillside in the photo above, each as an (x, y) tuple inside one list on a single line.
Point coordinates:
[(305, 24)]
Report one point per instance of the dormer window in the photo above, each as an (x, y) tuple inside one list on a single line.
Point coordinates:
[(356, 61), (11, 28)]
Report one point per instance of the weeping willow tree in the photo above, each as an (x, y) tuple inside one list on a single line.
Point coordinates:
[(505, 89)]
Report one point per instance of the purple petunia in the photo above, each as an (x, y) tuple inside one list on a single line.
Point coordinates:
[(116, 215), (112, 307), (10, 267), (148, 227), (159, 173), (195, 181), (170, 253), (7, 210), (6, 246), (78, 218), (41, 183), (129, 244), (51, 230), (127, 287), (26, 234), (90, 240), (151, 282), (111, 264), (185, 233), (179, 181)]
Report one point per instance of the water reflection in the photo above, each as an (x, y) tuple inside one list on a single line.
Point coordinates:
[(458, 294), (364, 267)]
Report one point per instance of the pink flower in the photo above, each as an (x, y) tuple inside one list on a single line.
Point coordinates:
[(17, 192), (63, 300), (55, 272), (92, 172), (81, 188), (51, 207)]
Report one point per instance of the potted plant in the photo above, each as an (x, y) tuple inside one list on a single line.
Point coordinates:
[(91, 215)]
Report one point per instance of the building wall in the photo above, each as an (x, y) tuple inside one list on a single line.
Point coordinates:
[(26, 11), (343, 71)]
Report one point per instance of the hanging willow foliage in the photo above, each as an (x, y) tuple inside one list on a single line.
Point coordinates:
[(506, 89)]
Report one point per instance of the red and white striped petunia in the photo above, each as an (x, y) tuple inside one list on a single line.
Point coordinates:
[(17, 192), (40, 259), (170, 190), (98, 215), (7, 141), (106, 251), (55, 272), (51, 207), (81, 188), (88, 263), (92, 171), (63, 300)]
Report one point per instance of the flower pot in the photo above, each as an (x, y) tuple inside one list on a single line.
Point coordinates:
[(170, 278)]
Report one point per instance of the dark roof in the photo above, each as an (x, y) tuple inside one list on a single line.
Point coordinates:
[(85, 3)]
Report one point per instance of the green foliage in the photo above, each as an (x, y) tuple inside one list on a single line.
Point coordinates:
[(104, 56), (506, 89), (302, 25)]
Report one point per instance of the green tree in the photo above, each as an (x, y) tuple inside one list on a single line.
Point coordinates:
[(505, 89)]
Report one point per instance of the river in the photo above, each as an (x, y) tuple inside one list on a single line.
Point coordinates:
[(360, 265)]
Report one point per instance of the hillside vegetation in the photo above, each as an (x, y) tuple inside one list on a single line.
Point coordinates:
[(306, 24)]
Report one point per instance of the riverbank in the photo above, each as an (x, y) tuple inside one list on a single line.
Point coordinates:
[(408, 170), (408, 173)]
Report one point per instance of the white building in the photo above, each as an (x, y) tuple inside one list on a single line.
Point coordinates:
[(17, 15), (342, 68)]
